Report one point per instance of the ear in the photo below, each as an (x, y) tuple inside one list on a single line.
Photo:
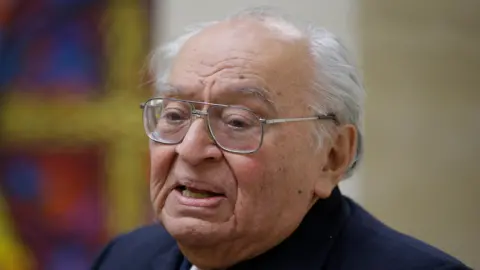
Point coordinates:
[(338, 157)]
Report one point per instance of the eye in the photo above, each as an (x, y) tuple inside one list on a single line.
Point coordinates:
[(238, 119), (174, 115), (236, 122)]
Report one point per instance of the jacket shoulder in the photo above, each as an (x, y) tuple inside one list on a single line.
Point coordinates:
[(134, 250), (367, 242)]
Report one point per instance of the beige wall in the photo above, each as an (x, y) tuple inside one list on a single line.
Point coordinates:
[(422, 71), (338, 16)]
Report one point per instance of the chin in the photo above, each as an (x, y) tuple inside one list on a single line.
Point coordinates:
[(189, 231)]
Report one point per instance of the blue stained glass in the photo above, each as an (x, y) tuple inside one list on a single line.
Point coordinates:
[(22, 179), (68, 62), (52, 45), (59, 3)]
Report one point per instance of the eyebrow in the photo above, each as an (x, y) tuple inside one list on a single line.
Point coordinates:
[(166, 89), (259, 92)]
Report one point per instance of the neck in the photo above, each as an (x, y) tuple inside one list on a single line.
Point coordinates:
[(319, 223), (207, 258), (219, 257)]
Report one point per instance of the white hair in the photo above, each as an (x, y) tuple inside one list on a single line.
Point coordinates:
[(337, 86)]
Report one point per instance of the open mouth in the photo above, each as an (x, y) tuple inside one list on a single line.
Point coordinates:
[(197, 193)]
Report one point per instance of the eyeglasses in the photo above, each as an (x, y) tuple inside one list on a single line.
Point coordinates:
[(234, 129)]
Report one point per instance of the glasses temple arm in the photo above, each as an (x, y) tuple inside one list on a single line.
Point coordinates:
[(285, 120)]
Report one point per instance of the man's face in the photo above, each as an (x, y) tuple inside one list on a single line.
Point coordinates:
[(261, 197)]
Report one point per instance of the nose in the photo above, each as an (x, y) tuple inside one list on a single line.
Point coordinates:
[(197, 145)]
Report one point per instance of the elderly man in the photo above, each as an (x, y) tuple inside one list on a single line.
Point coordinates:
[(255, 122)]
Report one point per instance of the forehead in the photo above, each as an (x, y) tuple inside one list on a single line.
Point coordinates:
[(245, 51)]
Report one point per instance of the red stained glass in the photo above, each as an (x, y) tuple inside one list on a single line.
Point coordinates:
[(55, 200)]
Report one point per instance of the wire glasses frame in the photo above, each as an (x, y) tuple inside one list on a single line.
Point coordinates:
[(233, 128)]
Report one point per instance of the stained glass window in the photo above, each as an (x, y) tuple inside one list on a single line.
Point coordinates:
[(55, 202), (60, 205), (52, 47)]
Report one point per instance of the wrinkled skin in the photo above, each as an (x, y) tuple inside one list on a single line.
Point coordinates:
[(267, 193)]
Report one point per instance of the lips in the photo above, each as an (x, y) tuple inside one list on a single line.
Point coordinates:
[(196, 193), (194, 197), (198, 190)]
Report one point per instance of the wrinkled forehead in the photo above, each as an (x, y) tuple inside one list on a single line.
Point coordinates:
[(247, 49)]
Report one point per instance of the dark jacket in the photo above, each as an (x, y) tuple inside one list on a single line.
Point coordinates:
[(335, 234)]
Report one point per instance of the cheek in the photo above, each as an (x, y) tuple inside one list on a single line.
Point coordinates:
[(267, 193), (251, 171), (259, 178), (287, 163), (161, 159)]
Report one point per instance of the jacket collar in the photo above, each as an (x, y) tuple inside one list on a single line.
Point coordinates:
[(307, 248), (168, 257)]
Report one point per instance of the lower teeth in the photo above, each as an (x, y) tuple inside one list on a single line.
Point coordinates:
[(198, 195)]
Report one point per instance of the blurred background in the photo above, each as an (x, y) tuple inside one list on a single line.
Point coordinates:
[(73, 155)]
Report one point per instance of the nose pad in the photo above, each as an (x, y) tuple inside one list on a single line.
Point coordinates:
[(196, 147), (197, 114)]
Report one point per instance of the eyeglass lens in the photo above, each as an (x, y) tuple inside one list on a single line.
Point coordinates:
[(233, 128)]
